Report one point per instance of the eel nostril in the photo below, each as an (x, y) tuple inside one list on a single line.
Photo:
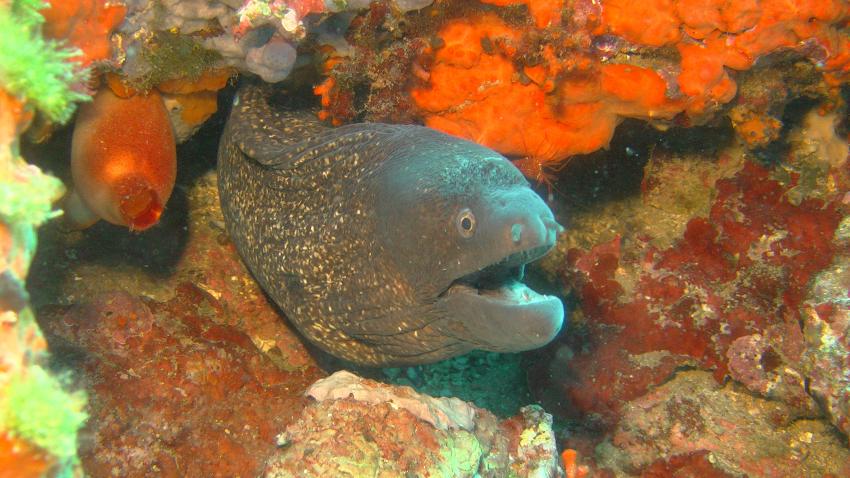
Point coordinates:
[(552, 224)]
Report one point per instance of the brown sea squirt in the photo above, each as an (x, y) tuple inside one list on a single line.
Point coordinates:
[(123, 161)]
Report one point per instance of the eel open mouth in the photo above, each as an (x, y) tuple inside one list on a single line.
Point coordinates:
[(492, 308), (502, 280)]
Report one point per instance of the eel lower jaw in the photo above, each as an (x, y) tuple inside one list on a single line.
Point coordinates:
[(494, 310)]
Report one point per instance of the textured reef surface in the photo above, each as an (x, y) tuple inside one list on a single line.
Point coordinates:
[(187, 364), (725, 264), (200, 392), (183, 359), (696, 151), (357, 427)]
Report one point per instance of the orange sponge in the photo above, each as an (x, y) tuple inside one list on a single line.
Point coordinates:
[(541, 114), (21, 460), (85, 24), (198, 98), (543, 94), (649, 22)]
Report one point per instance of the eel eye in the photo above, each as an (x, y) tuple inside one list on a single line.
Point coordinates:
[(465, 223)]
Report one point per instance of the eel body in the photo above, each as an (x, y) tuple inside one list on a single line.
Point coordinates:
[(385, 244)]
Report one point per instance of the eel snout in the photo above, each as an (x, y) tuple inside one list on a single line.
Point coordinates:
[(492, 307)]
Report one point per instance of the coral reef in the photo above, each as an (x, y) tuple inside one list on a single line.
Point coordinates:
[(358, 427), (546, 80), (691, 426), (39, 418), (731, 259), (125, 179), (719, 263), (170, 388), (86, 25)]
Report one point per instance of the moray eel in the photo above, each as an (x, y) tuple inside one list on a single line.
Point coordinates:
[(384, 244)]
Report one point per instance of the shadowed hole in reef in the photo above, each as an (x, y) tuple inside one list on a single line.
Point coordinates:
[(490, 380), (153, 253), (616, 173), (795, 111)]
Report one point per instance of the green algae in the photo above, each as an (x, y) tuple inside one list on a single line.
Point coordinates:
[(26, 201), (37, 408), (36, 69), (29, 199)]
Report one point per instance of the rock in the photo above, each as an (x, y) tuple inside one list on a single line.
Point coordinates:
[(692, 425), (171, 392), (359, 427)]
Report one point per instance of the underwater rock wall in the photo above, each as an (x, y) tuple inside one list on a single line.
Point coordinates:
[(358, 427), (730, 261), (545, 80), (727, 265)]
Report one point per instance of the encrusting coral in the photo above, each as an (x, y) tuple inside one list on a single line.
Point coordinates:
[(559, 87)]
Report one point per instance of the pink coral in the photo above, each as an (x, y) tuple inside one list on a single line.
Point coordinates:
[(289, 13)]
